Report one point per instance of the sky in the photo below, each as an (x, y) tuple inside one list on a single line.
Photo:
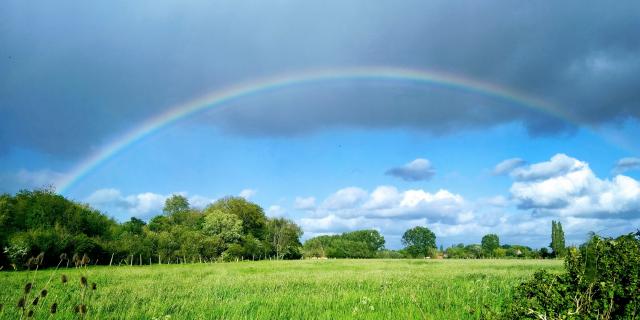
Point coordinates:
[(530, 113)]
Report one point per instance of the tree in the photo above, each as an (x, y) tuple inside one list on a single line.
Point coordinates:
[(490, 243), (175, 204), (227, 226), (419, 241), (253, 218), (284, 236), (371, 238), (557, 239)]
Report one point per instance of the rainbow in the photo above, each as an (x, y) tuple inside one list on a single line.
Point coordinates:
[(225, 95)]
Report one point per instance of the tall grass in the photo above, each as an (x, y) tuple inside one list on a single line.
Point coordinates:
[(312, 289)]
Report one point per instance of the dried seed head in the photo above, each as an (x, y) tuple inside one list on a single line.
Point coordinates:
[(35, 301), (64, 278), (21, 303), (54, 307), (93, 286), (83, 281), (63, 257), (44, 293), (27, 288), (30, 314), (81, 309)]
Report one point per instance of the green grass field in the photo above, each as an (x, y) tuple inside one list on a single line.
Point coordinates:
[(310, 289)]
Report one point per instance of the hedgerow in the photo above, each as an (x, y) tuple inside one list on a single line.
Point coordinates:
[(601, 281)]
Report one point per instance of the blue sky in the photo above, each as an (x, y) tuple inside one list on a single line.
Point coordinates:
[(343, 155)]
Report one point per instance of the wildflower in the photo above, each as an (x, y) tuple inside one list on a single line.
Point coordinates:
[(64, 278), (94, 286), (83, 281), (44, 293), (30, 314), (27, 288), (21, 303), (35, 301)]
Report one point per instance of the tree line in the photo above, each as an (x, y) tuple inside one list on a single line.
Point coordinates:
[(42, 223)]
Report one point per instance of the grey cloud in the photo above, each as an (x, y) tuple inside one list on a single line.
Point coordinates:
[(27, 179), (626, 164), (558, 165), (507, 166), (416, 170), (78, 75)]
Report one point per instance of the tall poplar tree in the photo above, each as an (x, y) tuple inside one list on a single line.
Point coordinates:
[(557, 239)]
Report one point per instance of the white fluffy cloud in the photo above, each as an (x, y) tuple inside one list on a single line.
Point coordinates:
[(141, 205), (274, 211), (567, 187), (347, 198), (247, 193), (416, 170), (387, 202), (302, 203)]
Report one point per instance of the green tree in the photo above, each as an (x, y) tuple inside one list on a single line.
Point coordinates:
[(557, 239), (419, 241), (175, 204), (284, 237), (226, 226), (253, 218), (371, 238), (490, 243)]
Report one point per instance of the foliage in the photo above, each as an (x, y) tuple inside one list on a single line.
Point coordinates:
[(175, 204), (419, 241), (601, 280), (557, 239), (253, 218), (355, 244), (40, 221), (490, 243), (283, 235)]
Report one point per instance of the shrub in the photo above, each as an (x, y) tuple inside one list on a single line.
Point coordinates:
[(601, 281)]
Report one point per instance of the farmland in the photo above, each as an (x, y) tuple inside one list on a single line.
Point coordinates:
[(300, 289)]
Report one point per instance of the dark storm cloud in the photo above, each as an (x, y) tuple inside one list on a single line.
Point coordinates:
[(75, 75)]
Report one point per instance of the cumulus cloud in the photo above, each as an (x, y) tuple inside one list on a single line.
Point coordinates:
[(559, 164), (142, 205), (508, 165), (275, 211), (302, 203), (626, 164), (27, 179), (346, 198), (565, 186), (387, 202), (247, 193), (416, 170)]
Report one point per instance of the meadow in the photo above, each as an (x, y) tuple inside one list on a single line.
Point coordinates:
[(301, 289)]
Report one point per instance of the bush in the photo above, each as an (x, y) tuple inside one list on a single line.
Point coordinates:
[(602, 281)]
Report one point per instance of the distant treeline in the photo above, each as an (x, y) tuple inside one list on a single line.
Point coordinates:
[(43, 228), (41, 223)]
